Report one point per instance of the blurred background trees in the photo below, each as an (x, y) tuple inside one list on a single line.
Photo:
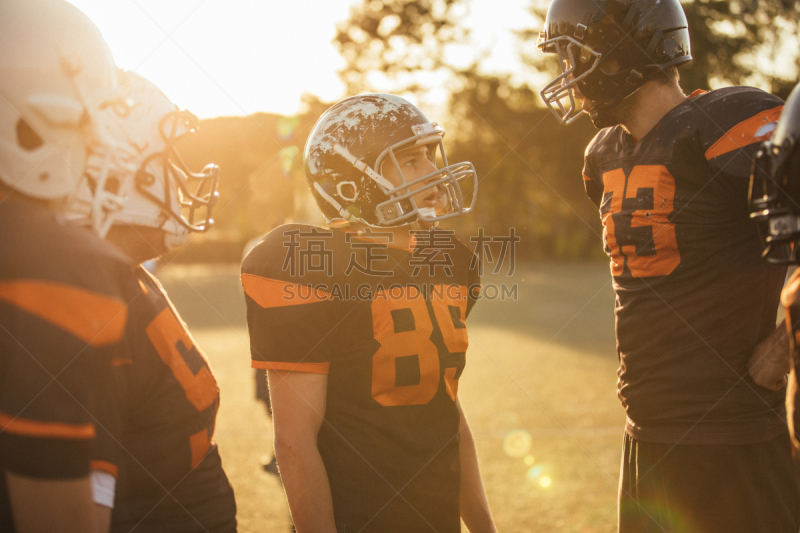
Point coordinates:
[(528, 165)]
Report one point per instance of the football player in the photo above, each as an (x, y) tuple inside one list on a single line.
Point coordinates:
[(775, 204), (364, 346), (63, 291), (705, 447), (168, 471)]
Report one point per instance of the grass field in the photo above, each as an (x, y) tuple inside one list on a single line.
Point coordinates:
[(538, 389)]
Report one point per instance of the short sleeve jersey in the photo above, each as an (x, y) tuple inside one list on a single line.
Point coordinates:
[(693, 294), (387, 326), (63, 312), (170, 475)]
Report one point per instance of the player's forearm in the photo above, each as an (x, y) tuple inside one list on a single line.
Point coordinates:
[(474, 506), (307, 488), (771, 360), (52, 505), (102, 517)]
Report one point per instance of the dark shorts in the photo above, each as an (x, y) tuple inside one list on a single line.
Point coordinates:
[(671, 488)]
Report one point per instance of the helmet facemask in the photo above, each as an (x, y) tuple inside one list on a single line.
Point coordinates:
[(183, 194), (572, 56), (609, 50), (400, 208), (157, 189), (774, 201)]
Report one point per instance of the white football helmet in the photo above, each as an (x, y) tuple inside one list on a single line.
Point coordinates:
[(56, 77), (158, 191)]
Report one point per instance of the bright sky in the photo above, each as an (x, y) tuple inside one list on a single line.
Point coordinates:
[(236, 57)]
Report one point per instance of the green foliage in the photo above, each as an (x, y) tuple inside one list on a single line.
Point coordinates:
[(530, 166), (397, 38), (260, 160), (751, 42)]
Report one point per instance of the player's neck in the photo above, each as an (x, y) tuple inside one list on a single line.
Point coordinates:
[(653, 101), (138, 243)]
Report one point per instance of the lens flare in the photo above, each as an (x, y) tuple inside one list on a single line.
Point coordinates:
[(517, 443), (286, 127), (545, 482), (288, 156), (529, 460), (534, 472)]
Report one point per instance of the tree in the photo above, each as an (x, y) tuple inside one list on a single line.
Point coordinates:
[(734, 42), (751, 42), (529, 165), (397, 39)]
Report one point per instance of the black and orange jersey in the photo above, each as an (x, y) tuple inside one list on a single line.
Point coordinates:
[(63, 296), (387, 326), (168, 468), (693, 294), (790, 298)]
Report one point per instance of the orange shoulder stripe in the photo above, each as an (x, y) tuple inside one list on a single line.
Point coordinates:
[(275, 293), (105, 466), (94, 318), (310, 368), (586, 178), (747, 132), (52, 430), (412, 243)]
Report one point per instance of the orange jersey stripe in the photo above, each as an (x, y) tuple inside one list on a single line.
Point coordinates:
[(586, 178), (94, 318), (745, 133), (275, 293), (105, 466), (52, 430), (412, 243), (310, 368)]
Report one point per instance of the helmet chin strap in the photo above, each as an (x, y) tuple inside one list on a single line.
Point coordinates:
[(172, 241), (417, 225)]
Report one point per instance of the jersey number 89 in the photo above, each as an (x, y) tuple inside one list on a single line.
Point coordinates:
[(403, 326)]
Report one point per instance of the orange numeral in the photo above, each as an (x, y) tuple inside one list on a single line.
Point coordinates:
[(167, 334), (455, 338), (403, 327), (667, 256), (394, 344), (170, 338)]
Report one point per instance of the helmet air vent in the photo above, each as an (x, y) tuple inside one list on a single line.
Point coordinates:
[(347, 191), (27, 138)]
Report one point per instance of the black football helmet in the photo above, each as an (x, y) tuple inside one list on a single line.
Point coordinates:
[(350, 142), (609, 49), (775, 187)]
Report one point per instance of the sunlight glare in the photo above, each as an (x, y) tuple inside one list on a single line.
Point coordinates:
[(517, 443)]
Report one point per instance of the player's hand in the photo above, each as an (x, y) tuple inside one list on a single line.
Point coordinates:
[(771, 361)]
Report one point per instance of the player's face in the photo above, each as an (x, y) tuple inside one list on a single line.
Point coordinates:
[(415, 164), (586, 104)]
